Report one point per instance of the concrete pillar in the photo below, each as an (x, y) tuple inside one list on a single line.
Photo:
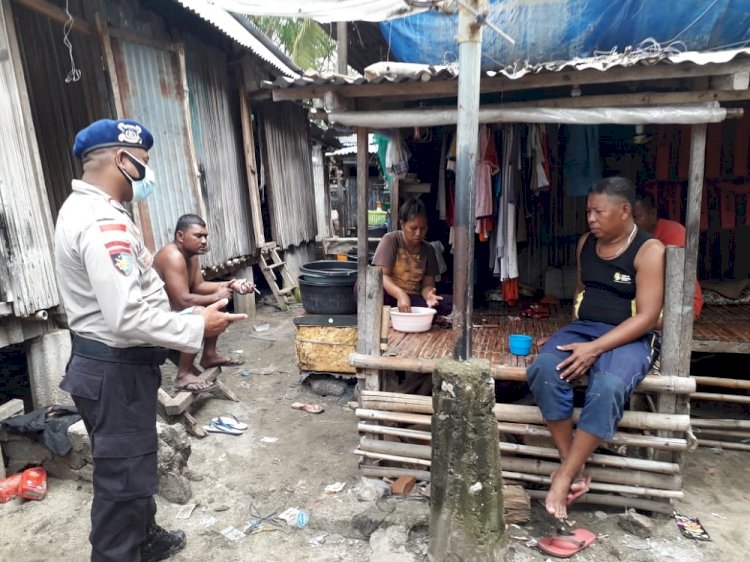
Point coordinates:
[(47, 358), (466, 513), (245, 304)]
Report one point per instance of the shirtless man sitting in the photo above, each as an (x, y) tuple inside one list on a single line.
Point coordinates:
[(178, 265)]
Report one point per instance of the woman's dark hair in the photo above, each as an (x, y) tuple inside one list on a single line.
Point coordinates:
[(616, 186), (411, 209)]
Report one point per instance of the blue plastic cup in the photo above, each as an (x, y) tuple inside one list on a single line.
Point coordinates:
[(520, 344)]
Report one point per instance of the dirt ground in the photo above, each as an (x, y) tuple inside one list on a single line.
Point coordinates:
[(287, 457)]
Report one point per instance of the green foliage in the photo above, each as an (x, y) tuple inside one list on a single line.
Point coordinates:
[(302, 39)]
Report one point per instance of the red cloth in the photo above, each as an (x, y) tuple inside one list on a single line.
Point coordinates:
[(510, 291), (671, 233), (728, 209)]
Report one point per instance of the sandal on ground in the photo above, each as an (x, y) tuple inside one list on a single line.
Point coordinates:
[(309, 407), (565, 544), (230, 420), (218, 427)]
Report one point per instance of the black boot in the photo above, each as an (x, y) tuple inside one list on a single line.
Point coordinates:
[(160, 544)]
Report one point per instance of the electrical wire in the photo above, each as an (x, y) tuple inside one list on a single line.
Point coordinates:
[(75, 73)]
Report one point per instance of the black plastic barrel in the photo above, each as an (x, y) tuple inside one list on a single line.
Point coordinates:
[(329, 268), (328, 295)]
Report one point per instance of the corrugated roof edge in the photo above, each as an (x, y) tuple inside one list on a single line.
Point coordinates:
[(404, 72), (234, 29)]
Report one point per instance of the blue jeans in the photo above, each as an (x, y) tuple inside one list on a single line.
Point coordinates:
[(612, 378)]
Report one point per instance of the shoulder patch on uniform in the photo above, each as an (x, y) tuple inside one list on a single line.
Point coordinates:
[(122, 260)]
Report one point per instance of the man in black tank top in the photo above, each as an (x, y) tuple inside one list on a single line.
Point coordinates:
[(619, 297)]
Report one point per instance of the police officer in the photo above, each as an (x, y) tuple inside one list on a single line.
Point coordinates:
[(120, 316)]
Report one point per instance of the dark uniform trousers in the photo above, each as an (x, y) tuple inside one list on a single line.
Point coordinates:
[(117, 401)]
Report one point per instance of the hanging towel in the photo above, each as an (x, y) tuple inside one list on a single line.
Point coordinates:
[(582, 165)]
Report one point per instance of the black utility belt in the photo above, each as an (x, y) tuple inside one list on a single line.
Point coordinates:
[(91, 349)]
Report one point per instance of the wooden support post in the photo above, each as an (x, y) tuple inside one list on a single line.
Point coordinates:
[(671, 335), (342, 47), (369, 280), (394, 204), (369, 321), (256, 215), (466, 514), (245, 304)]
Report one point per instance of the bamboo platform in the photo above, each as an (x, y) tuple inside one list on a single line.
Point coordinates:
[(722, 329), (489, 338)]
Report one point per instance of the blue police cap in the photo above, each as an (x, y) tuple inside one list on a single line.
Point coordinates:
[(107, 132)]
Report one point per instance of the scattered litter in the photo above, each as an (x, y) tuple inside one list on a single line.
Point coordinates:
[(222, 507), (309, 407), (239, 351), (269, 439), (252, 526), (262, 328), (207, 521), (335, 488), (600, 515), (371, 489), (691, 527), (261, 371), (295, 517), (718, 515), (185, 511), (233, 534), (317, 541), (243, 384), (716, 450)]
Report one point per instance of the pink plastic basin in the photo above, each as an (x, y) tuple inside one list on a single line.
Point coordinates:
[(418, 320)]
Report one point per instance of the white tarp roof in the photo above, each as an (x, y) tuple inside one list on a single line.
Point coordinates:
[(232, 28), (324, 11)]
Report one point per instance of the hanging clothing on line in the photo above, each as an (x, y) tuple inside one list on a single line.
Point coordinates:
[(582, 166), (487, 166), (397, 156), (503, 252), (442, 204), (538, 156)]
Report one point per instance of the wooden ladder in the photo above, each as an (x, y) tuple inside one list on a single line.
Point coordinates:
[(272, 265)]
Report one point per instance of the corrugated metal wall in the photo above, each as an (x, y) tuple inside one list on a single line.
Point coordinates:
[(291, 193), (25, 221), (151, 92), (60, 109), (214, 109)]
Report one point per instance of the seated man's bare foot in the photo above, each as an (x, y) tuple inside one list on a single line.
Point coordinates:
[(581, 484), (191, 383), (556, 500), (208, 361)]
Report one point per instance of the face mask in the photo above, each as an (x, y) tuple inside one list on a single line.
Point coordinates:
[(144, 186)]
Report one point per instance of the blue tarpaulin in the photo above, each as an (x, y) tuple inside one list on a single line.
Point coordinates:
[(559, 30)]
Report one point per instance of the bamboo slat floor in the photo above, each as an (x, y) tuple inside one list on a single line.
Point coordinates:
[(489, 338), (722, 329)]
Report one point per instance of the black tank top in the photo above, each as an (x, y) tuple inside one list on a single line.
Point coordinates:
[(610, 284)]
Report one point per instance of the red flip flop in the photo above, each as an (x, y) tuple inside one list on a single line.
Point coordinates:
[(565, 545)]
